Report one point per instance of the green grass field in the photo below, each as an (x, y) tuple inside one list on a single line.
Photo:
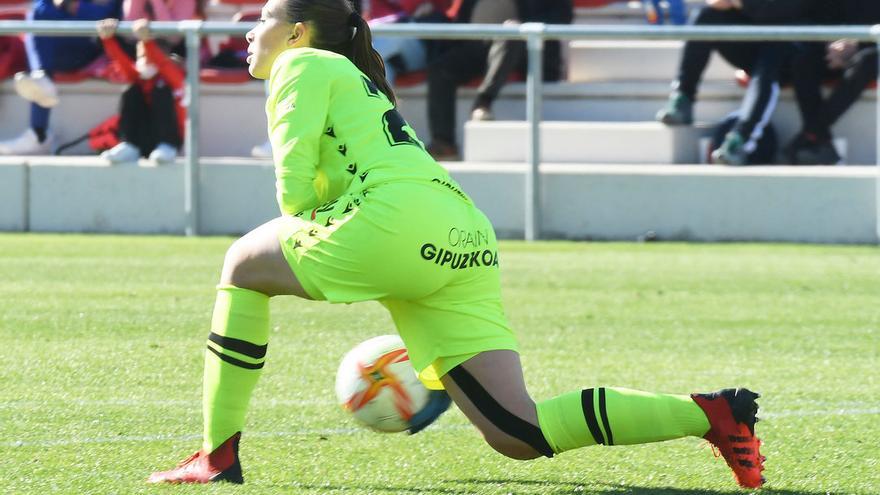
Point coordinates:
[(102, 341)]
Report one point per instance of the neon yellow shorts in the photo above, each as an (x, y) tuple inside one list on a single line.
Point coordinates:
[(422, 250)]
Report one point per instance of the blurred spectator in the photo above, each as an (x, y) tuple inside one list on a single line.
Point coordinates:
[(151, 118), (496, 60), (12, 56), (404, 54), (762, 60), (673, 12), (852, 65), (165, 10), (47, 54)]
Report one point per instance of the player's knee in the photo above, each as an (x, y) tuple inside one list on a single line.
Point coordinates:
[(511, 447), (235, 266)]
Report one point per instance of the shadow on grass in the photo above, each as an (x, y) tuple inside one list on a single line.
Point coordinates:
[(525, 486), (574, 488)]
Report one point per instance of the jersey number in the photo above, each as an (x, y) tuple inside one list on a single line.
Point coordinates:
[(395, 129)]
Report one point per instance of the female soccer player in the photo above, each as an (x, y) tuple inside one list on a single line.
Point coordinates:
[(368, 215)]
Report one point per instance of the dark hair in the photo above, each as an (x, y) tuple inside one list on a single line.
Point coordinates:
[(332, 22)]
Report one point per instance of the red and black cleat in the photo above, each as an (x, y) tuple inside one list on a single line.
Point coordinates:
[(220, 465), (731, 413)]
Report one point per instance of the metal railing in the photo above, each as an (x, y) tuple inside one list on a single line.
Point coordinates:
[(534, 34)]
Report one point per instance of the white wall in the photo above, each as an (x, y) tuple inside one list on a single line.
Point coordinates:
[(13, 200), (608, 202)]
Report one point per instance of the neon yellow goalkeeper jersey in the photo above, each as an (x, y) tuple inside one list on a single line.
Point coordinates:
[(333, 131)]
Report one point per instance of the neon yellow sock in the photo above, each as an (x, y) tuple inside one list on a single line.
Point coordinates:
[(618, 416), (233, 361)]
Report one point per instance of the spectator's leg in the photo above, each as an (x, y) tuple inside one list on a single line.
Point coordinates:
[(856, 78), (41, 57), (762, 95), (134, 120), (677, 12), (693, 62), (389, 49), (163, 117), (52, 54), (504, 57), (815, 144), (807, 71), (458, 65), (695, 56), (414, 53)]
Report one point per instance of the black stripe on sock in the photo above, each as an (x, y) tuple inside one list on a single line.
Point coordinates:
[(604, 415), (506, 421), (590, 416), (239, 346), (236, 362)]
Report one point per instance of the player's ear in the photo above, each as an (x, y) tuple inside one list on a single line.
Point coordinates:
[(298, 35)]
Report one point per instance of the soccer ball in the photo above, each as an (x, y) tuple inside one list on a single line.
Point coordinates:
[(377, 384)]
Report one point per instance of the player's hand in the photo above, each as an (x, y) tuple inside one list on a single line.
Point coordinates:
[(512, 22), (840, 52), (720, 4), (107, 28), (141, 29)]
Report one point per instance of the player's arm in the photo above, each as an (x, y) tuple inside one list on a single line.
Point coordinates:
[(297, 110)]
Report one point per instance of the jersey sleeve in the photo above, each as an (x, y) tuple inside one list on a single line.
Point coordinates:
[(297, 110)]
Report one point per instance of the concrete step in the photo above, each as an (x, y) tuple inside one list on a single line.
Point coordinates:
[(85, 104), (634, 60), (585, 142)]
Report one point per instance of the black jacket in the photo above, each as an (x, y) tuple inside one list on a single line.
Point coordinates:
[(546, 11), (845, 12), (858, 12), (779, 11)]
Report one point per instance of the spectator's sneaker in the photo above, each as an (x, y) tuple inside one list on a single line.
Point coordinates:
[(123, 152), (27, 144), (262, 150), (809, 150), (791, 149), (442, 151), (482, 114), (220, 465), (37, 87), (679, 110), (731, 413), (732, 151), (163, 154)]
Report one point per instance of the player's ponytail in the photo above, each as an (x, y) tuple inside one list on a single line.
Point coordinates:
[(366, 58), (337, 27)]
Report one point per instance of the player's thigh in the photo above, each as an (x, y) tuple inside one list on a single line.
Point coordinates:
[(493, 380), (256, 262)]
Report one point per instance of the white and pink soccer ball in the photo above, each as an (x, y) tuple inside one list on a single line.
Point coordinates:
[(378, 385)]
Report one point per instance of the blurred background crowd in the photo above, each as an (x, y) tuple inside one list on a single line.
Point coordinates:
[(825, 79)]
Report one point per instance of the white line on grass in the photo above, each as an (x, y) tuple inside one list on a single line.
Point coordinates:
[(354, 431), (829, 412), (158, 438), (151, 403)]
